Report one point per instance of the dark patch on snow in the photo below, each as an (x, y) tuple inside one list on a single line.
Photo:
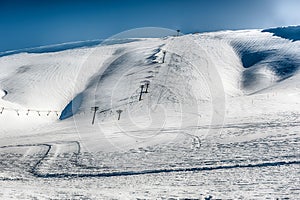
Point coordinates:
[(149, 77), (251, 58), (285, 66), (5, 93), (290, 32), (119, 51), (130, 74), (169, 170), (282, 64), (153, 56), (250, 77), (115, 65), (23, 69), (72, 107)]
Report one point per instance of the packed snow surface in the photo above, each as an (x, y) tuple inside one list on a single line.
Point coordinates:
[(211, 115)]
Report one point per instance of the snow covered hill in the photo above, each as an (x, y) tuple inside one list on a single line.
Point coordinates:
[(239, 63), (197, 102)]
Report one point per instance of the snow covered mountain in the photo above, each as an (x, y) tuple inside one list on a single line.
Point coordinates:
[(241, 62), (155, 98)]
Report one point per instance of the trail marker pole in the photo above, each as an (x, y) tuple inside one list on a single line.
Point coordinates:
[(163, 60), (147, 86), (119, 112), (1, 110), (141, 93), (95, 110)]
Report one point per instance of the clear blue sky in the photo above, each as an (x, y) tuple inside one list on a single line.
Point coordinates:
[(28, 23)]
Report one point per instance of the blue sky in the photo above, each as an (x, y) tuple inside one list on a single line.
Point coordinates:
[(28, 23)]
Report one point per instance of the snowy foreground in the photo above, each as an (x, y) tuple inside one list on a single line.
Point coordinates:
[(218, 118)]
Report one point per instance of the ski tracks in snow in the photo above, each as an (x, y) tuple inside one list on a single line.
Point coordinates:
[(41, 159)]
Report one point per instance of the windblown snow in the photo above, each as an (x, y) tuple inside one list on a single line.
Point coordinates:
[(208, 104)]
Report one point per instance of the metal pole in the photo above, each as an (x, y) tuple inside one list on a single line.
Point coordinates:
[(141, 93), (147, 85), (95, 110), (119, 112), (164, 52)]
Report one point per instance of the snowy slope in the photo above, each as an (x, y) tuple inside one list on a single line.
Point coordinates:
[(221, 112), (198, 68)]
